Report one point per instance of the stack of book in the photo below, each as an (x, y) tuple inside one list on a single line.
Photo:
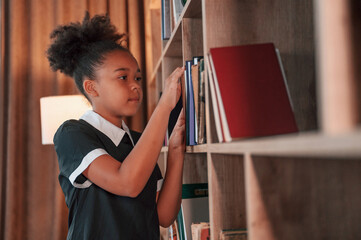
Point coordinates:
[(249, 92), (193, 103), (193, 96), (201, 231)]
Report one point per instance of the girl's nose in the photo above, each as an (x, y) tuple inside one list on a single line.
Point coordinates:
[(135, 85)]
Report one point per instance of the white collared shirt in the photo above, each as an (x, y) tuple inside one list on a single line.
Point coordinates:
[(113, 132)]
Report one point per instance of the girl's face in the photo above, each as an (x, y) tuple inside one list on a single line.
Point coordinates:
[(118, 85)]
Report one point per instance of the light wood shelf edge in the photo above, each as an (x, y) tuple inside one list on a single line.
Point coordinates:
[(202, 148), (311, 144), (197, 148)]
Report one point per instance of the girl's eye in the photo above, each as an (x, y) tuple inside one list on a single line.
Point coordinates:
[(123, 77), (138, 79)]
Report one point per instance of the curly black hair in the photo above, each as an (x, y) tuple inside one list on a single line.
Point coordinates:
[(78, 48)]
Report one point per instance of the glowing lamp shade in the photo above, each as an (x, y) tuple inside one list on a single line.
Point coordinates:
[(57, 109)]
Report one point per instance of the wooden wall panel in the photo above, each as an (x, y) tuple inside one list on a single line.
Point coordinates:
[(306, 198), (227, 193)]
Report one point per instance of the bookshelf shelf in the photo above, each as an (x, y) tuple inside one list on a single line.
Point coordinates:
[(197, 149), (294, 186), (311, 144), (202, 148)]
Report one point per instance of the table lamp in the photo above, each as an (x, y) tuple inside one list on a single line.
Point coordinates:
[(55, 110)]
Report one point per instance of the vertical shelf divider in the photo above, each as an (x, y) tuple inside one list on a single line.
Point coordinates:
[(338, 83)]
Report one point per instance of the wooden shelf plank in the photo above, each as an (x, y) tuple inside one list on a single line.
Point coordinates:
[(173, 48), (191, 149), (305, 144), (192, 9), (312, 144), (197, 149)]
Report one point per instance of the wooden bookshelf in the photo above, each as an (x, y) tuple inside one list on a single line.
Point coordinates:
[(295, 186)]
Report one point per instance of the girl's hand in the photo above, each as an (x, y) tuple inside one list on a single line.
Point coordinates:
[(177, 138), (172, 89)]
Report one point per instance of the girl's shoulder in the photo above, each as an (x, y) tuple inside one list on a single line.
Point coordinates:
[(73, 128), (74, 125)]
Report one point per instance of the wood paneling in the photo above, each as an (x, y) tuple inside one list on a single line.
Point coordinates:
[(227, 193), (307, 198)]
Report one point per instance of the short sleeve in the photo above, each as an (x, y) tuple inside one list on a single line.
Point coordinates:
[(77, 146)]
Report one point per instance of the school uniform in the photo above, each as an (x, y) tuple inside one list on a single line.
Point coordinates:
[(95, 213)]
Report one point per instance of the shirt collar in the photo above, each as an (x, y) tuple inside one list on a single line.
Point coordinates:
[(113, 132)]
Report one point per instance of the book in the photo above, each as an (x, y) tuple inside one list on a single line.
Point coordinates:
[(177, 6), (173, 233), (166, 20), (249, 94), (190, 116), (201, 231), (233, 234), (215, 105), (177, 230), (195, 83), (201, 104), (185, 105)]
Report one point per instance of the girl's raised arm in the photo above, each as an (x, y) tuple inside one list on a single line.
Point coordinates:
[(129, 177)]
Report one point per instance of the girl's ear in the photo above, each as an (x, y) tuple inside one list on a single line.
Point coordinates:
[(90, 88)]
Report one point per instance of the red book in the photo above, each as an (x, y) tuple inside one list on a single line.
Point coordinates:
[(252, 97)]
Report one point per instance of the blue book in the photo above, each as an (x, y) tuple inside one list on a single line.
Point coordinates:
[(185, 102), (190, 103), (166, 21)]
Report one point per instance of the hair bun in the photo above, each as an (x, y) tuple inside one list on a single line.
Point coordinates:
[(73, 41)]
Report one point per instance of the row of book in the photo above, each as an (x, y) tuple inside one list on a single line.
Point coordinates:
[(193, 103), (194, 209), (171, 11), (249, 92), (192, 222), (193, 95), (201, 231)]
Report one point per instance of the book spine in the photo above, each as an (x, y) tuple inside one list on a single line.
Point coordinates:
[(225, 129), (166, 21), (186, 104), (201, 103), (177, 10), (191, 110), (214, 102)]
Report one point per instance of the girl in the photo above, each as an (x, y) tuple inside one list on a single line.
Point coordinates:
[(108, 173)]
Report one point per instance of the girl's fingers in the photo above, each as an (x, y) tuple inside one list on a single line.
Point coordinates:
[(177, 73), (181, 115), (181, 119)]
